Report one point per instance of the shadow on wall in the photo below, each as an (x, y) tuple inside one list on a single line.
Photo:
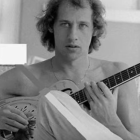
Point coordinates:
[(31, 60), (34, 59)]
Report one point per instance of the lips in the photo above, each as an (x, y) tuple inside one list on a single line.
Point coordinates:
[(72, 46)]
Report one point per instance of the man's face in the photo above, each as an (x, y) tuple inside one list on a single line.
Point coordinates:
[(73, 30)]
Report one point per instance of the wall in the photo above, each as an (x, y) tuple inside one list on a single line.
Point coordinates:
[(119, 4), (9, 21), (28, 32), (121, 43)]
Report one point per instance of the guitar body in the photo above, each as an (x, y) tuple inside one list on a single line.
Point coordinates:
[(66, 86), (29, 104)]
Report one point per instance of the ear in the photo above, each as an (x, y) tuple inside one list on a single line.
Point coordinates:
[(94, 33), (50, 29)]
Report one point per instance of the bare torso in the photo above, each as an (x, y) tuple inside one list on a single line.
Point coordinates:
[(19, 85)]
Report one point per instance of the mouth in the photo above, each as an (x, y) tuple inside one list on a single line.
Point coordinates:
[(72, 46)]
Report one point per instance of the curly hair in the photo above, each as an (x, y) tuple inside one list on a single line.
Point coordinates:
[(46, 21)]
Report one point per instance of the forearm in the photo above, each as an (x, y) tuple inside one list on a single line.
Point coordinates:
[(121, 131)]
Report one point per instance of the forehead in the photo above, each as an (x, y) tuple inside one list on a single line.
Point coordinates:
[(67, 11)]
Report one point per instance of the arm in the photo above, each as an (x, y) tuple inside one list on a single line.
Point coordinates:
[(128, 106), (10, 118), (103, 107), (128, 113), (124, 121)]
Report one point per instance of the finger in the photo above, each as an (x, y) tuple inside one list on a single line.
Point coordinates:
[(15, 117), (11, 128), (88, 97), (90, 101), (15, 110), (87, 94), (18, 112), (29, 115), (18, 119), (115, 93), (91, 93), (14, 123), (104, 89), (97, 91)]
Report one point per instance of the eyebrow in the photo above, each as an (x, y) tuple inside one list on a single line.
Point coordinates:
[(63, 20), (86, 22)]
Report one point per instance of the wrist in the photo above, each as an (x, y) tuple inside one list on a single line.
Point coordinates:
[(113, 122), (122, 132)]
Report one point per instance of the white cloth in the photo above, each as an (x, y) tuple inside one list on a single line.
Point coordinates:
[(59, 117)]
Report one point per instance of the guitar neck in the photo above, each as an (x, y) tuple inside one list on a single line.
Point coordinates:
[(112, 82)]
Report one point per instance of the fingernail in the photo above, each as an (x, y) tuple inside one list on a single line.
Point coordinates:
[(27, 122), (24, 116), (93, 83), (87, 83)]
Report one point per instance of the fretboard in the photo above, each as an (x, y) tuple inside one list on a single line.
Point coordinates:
[(111, 82)]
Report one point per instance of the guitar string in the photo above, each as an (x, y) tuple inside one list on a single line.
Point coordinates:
[(82, 79)]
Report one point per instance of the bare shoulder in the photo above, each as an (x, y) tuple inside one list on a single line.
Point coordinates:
[(10, 83), (109, 67), (15, 83), (38, 69), (114, 67)]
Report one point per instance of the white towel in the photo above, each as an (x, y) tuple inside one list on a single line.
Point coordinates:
[(61, 118)]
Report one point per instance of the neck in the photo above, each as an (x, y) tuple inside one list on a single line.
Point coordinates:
[(70, 69), (65, 65)]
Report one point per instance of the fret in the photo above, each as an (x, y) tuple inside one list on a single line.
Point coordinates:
[(105, 81), (132, 72), (118, 78), (137, 68), (125, 75), (82, 96), (112, 81), (73, 96), (77, 97)]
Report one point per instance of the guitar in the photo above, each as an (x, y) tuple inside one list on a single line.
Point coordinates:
[(29, 104)]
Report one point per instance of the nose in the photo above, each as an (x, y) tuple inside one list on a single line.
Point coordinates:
[(73, 34)]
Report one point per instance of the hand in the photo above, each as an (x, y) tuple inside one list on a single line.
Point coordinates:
[(103, 103), (12, 119)]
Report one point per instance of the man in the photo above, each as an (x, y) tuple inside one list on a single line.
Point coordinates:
[(72, 28)]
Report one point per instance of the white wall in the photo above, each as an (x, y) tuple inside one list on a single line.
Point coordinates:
[(120, 4), (122, 43), (9, 21)]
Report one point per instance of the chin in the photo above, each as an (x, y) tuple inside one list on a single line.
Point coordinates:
[(73, 57)]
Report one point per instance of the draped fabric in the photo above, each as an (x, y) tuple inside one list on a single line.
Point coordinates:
[(59, 117)]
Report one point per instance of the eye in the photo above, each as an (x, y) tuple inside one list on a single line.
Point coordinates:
[(83, 25), (65, 24)]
